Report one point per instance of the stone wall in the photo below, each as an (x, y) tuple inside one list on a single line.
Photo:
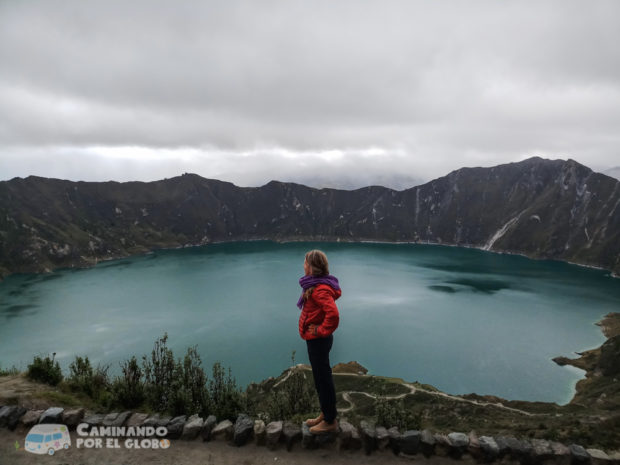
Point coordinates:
[(283, 434)]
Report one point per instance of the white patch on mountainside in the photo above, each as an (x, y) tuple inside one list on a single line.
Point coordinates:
[(500, 232)]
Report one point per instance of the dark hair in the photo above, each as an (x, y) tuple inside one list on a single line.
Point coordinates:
[(317, 261)]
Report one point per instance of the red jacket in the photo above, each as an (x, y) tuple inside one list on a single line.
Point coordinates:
[(320, 309)]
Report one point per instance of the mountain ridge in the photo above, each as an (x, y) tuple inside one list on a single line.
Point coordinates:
[(552, 209)]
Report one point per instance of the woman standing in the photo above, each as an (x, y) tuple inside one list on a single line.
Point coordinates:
[(318, 320)]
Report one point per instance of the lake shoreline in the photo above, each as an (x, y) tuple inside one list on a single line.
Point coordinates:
[(92, 262)]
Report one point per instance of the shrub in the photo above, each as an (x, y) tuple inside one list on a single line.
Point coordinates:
[(11, 371), (81, 375), (159, 372), (226, 400), (92, 382), (128, 389), (45, 370), (393, 413), (189, 390), (295, 396)]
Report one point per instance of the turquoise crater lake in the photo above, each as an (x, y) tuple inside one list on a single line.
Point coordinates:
[(462, 320)]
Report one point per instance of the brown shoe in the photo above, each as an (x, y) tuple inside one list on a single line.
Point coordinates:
[(315, 421), (325, 427)]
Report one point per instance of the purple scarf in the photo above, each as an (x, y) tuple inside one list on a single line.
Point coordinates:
[(306, 282)]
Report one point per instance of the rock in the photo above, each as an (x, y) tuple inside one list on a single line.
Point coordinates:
[(383, 438), (349, 436), (157, 421), (175, 427), (192, 428), (410, 442), (93, 420), (489, 448), (224, 429), (30, 418), (260, 433), (273, 434), (207, 429), (541, 450), (243, 430), (116, 419), (9, 416), (502, 444), (561, 453), (519, 450), (579, 454), (369, 437), (72, 418), (307, 438), (291, 433), (5, 411), (458, 444), (109, 418), (427, 443), (121, 419), (52, 415), (598, 457), (442, 445), (137, 419), (395, 438), (474, 445)]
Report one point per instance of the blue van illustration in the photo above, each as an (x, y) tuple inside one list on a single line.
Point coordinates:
[(47, 439)]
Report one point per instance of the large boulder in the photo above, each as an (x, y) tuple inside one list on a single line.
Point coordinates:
[(369, 436), (349, 436), (116, 419), (308, 440), (503, 446), (579, 454), (93, 420), (207, 429), (52, 415), (137, 419), (223, 430), (459, 442), (474, 446), (72, 418), (561, 453), (410, 442), (243, 430), (192, 428), (489, 448), (395, 438), (30, 418), (260, 432), (109, 418), (273, 434), (383, 438), (442, 445), (427, 443), (291, 433), (157, 421), (598, 457), (175, 427), (9, 416), (541, 450)]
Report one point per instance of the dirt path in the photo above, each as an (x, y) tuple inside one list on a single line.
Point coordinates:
[(201, 453), (413, 389)]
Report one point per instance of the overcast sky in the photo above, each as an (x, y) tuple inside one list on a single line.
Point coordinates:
[(338, 93)]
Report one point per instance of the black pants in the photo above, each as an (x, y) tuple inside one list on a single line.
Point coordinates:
[(318, 353)]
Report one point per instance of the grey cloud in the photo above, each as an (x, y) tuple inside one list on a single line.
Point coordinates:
[(447, 82)]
